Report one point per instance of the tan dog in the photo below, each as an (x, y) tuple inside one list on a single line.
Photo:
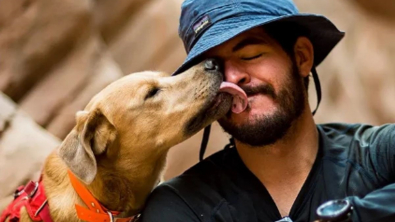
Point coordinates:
[(119, 145)]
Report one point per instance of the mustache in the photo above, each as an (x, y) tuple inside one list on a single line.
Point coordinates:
[(265, 89)]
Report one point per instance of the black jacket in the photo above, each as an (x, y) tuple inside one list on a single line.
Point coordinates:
[(354, 162)]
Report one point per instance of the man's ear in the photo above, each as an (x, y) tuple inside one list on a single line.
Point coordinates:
[(304, 55), (92, 136)]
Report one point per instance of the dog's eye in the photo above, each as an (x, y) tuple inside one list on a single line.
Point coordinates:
[(152, 92)]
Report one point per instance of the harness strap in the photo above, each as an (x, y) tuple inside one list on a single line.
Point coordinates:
[(317, 88), (89, 215), (96, 212), (203, 145), (44, 212), (33, 198)]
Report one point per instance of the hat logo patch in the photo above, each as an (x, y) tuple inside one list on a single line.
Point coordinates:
[(202, 23)]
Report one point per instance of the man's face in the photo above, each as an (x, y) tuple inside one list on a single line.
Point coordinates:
[(270, 78)]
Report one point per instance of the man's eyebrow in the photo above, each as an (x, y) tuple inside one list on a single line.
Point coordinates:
[(248, 41)]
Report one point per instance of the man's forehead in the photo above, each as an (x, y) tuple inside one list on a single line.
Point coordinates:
[(254, 36)]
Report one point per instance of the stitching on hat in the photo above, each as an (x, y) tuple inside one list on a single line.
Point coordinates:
[(207, 13)]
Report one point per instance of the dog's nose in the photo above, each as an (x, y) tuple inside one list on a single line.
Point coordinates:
[(212, 65)]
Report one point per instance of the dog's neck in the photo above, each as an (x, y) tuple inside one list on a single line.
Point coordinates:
[(125, 192)]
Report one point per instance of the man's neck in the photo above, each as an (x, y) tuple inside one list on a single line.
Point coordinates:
[(295, 152), (284, 166)]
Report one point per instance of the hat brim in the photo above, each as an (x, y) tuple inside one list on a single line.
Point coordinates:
[(322, 33)]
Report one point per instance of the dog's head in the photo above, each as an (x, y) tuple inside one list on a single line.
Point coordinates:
[(143, 114)]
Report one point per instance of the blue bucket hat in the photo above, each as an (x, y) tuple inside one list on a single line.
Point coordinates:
[(205, 24)]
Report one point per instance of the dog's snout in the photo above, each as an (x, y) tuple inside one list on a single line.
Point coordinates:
[(212, 65)]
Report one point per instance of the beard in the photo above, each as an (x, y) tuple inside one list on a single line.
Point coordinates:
[(267, 129)]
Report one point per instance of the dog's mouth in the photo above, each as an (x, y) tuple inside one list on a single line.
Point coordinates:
[(238, 97), (229, 97)]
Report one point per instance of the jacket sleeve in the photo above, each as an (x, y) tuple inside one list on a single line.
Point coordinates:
[(379, 205), (165, 205)]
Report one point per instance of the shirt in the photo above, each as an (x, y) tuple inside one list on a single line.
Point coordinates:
[(354, 161)]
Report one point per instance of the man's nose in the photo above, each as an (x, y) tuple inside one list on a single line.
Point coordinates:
[(235, 74)]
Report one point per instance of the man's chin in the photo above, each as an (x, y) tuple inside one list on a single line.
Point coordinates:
[(258, 131), (237, 122)]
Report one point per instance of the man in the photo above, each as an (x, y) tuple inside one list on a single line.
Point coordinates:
[(282, 166)]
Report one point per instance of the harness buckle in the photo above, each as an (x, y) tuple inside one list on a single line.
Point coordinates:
[(136, 218), (18, 191), (30, 189)]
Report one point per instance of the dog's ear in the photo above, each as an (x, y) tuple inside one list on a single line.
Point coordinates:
[(92, 136)]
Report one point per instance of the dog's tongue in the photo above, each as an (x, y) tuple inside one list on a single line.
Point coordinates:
[(239, 96)]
